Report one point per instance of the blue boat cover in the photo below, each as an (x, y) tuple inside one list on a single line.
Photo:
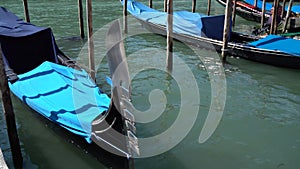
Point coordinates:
[(64, 95), (184, 22), (280, 43), (295, 8)]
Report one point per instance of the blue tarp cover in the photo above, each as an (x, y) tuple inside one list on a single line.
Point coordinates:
[(280, 43), (64, 95), (184, 22), (295, 8)]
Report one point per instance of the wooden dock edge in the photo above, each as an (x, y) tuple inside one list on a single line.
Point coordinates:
[(2, 161)]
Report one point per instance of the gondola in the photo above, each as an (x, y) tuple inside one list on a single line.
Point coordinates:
[(58, 89), (259, 3), (248, 11), (206, 31)]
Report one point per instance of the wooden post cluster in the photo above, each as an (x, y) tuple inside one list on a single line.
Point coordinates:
[(10, 117), (80, 15)]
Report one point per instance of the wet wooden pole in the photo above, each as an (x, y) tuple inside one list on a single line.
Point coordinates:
[(80, 17), (283, 8), (10, 117), (273, 28), (125, 26), (287, 16), (233, 12), (273, 18), (276, 17), (90, 39), (165, 5), (26, 13), (262, 20), (150, 3), (193, 6), (169, 59), (208, 7), (228, 11), (255, 3)]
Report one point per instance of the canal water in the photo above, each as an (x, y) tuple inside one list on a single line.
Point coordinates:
[(258, 105)]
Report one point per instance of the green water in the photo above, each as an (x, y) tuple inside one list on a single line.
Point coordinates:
[(259, 128)]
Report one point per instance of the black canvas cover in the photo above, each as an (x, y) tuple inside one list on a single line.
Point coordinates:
[(24, 45)]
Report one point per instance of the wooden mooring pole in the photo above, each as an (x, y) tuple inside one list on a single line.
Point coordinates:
[(90, 39), (80, 17), (150, 3), (169, 59), (276, 17), (262, 21), (255, 3), (228, 11), (273, 28), (283, 8), (193, 6), (26, 13), (10, 117), (125, 26), (233, 12), (208, 7), (165, 5), (287, 16)]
